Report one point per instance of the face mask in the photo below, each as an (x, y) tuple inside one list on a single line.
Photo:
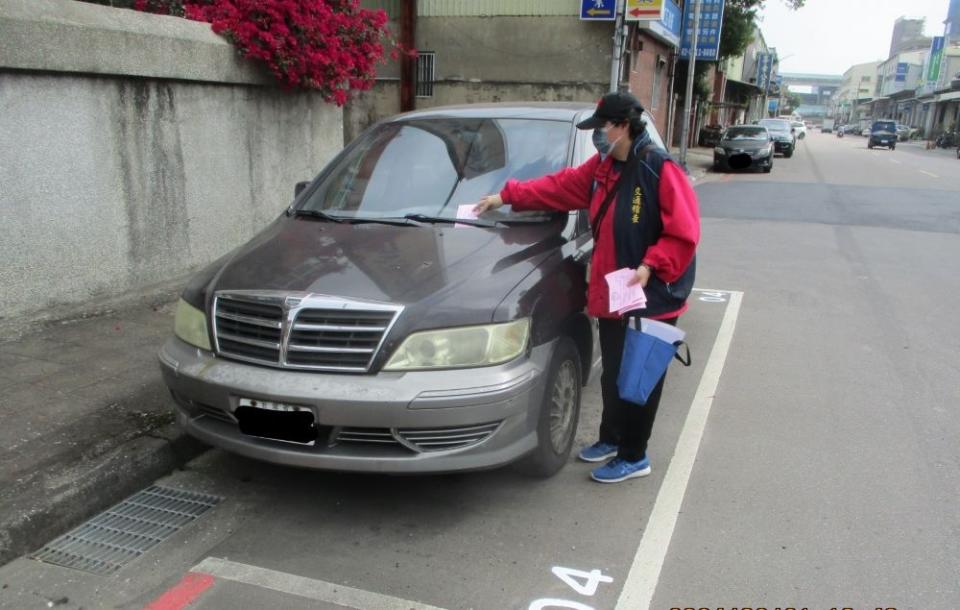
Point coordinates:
[(600, 141)]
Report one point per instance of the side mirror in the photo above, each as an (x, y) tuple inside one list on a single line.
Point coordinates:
[(298, 188)]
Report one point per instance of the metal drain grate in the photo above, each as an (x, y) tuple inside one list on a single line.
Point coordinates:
[(120, 534)]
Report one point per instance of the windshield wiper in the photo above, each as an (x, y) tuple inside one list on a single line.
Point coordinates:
[(354, 220), (316, 214), (444, 219)]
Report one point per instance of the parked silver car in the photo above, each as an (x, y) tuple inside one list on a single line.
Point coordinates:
[(370, 328)]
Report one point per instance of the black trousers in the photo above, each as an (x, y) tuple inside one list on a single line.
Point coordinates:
[(625, 424)]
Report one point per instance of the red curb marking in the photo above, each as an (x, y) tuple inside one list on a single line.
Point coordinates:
[(183, 593)]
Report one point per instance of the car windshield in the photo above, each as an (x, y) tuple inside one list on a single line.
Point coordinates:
[(431, 166), (746, 133), (776, 124), (883, 126), (797, 124)]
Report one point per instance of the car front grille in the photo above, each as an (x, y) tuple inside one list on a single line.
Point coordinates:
[(300, 331), (420, 440)]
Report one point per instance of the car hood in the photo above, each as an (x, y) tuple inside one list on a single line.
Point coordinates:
[(748, 145), (404, 265)]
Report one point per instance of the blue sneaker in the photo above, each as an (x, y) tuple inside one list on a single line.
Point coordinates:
[(619, 469), (597, 452)]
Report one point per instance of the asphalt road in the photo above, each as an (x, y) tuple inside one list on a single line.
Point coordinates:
[(807, 460)]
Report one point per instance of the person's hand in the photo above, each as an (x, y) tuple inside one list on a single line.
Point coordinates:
[(490, 202), (641, 276)]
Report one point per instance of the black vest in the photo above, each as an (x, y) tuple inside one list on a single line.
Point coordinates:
[(637, 224)]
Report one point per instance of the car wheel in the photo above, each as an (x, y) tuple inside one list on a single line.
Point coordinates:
[(893, 147), (769, 167), (870, 146), (788, 153), (559, 413)]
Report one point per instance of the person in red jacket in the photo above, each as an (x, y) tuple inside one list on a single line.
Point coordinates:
[(644, 216)]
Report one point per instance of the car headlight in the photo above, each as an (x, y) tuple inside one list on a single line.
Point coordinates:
[(190, 324), (719, 150), (468, 346)]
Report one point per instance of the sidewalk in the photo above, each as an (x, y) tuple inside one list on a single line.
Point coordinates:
[(699, 161), (86, 421)]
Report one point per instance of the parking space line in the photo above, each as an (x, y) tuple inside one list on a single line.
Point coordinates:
[(641, 581), (932, 175), (301, 586)]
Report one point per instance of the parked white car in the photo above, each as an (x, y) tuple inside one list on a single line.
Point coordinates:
[(800, 129)]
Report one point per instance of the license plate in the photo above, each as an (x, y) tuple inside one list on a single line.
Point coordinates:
[(277, 421)]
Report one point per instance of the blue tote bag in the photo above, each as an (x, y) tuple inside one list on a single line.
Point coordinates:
[(644, 363)]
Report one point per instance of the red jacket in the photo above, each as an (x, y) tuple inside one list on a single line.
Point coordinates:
[(571, 188)]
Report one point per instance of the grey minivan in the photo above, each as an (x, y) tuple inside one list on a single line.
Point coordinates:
[(371, 327)]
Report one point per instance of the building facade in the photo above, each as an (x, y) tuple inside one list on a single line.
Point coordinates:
[(517, 50)]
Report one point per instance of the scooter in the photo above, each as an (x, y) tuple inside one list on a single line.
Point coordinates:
[(840, 132)]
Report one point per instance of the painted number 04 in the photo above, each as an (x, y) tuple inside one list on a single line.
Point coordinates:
[(584, 583)]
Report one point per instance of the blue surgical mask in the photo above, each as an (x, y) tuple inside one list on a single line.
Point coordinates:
[(600, 141)]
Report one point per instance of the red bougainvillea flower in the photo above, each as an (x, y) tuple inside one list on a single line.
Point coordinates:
[(331, 46)]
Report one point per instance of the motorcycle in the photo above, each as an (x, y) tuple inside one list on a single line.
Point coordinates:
[(840, 132), (947, 139)]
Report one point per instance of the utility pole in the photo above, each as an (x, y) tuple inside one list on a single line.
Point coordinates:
[(615, 68), (688, 99)]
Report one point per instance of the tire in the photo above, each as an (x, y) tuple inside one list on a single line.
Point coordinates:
[(559, 413), (788, 153), (869, 146), (893, 147), (767, 169)]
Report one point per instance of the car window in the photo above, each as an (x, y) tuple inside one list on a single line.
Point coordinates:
[(883, 126), (776, 124), (746, 133), (430, 166)]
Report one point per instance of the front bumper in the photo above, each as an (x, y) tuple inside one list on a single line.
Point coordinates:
[(368, 423), (738, 160), (782, 147)]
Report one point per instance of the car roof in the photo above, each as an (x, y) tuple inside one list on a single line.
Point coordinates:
[(557, 111)]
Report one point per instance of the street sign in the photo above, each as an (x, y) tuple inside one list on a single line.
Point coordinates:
[(902, 70), (645, 10), (668, 28), (598, 10), (708, 36), (936, 53)]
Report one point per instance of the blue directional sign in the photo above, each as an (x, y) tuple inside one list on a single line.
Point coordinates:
[(598, 10), (708, 36)]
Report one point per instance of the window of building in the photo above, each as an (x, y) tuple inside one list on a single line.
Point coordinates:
[(426, 73), (657, 82)]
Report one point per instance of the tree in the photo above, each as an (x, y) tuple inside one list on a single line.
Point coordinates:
[(736, 33)]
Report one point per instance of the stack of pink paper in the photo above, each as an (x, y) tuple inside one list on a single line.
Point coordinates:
[(624, 297)]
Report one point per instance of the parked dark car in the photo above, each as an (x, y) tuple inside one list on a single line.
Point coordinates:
[(369, 329), (744, 147), (783, 135), (883, 133)]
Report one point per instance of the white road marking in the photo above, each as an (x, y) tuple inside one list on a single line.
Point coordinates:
[(895, 161), (302, 586), (932, 175), (641, 581)]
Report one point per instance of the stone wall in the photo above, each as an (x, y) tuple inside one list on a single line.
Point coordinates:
[(135, 148)]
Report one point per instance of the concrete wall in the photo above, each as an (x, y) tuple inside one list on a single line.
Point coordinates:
[(133, 149)]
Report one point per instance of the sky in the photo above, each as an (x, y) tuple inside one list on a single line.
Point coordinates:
[(829, 36)]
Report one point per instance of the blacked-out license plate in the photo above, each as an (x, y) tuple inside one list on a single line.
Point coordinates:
[(277, 421)]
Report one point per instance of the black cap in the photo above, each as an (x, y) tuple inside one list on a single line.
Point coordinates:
[(614, 107)]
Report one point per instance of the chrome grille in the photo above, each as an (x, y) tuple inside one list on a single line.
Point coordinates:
[(442, 439), (325, 337), (300, 330), (249, 329), (375, 436), (419, 439)]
